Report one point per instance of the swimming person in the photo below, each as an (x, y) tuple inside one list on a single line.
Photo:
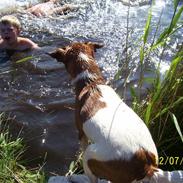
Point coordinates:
[(10, 40), (50, 7)]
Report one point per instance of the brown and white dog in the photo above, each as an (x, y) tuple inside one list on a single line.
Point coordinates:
[(121, 149)]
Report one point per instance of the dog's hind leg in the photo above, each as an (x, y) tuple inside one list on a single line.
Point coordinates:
[(90, 153)]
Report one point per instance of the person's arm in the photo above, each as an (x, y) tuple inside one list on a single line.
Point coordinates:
[(32, 45), (43, 9), (25, 43), (1, 43)]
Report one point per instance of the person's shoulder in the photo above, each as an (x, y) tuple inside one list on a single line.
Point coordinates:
[(27, 43), (23, 40)]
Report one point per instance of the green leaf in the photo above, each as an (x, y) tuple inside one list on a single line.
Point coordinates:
[(179, 101), (118, 74), (177, 126), (173, 67), (148, 113), (176, 2), (158, 87), (133, 93), (176, 18), (161, 37), (164, 35), (24, 59), (147, 26), (141, 55), (149, 80)]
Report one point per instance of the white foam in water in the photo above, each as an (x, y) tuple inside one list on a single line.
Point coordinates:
[(106, 14), (7, 5), (27, 2), (12, 5)]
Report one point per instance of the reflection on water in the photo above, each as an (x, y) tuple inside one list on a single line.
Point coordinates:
[(38, 93)]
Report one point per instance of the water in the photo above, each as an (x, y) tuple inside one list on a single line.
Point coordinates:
[(38, 94)]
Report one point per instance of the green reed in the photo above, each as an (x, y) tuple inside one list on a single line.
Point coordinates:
[(12, 167), (162, 107)]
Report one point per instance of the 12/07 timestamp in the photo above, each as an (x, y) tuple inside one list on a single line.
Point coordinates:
[(170, 160)]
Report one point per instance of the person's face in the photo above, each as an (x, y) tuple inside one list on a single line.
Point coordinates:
[(9, 33)]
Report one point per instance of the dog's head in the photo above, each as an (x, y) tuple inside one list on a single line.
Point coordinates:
[(77, 57)]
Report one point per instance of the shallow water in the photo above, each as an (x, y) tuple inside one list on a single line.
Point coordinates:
[(38, 94)]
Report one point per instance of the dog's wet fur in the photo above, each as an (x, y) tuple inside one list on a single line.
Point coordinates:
[(121, 149)]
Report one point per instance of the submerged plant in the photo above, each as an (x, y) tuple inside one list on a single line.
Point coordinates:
[(24, 59)]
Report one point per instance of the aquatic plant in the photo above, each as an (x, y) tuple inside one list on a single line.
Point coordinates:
[(76, 167), (24, 59), (161, 108), (12, 167)]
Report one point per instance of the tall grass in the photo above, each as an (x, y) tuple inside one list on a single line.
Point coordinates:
[(12, 169), (162, 109)]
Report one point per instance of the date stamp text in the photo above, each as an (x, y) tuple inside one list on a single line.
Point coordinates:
[(170, 160)]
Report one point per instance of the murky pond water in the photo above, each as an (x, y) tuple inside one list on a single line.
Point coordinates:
[(38, 94)]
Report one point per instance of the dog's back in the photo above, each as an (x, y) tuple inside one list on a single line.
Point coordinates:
[(117, 126)]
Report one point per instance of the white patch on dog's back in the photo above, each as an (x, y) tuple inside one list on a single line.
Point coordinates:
[(83, 57), (83, 75), (116, 130)]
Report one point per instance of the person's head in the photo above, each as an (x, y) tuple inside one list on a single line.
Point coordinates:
[(9, 28)]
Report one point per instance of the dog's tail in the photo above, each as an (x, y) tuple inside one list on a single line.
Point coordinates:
[(161, 176)]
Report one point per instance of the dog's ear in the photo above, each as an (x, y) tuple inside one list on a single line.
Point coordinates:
[(95, 45), (58, 54)]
